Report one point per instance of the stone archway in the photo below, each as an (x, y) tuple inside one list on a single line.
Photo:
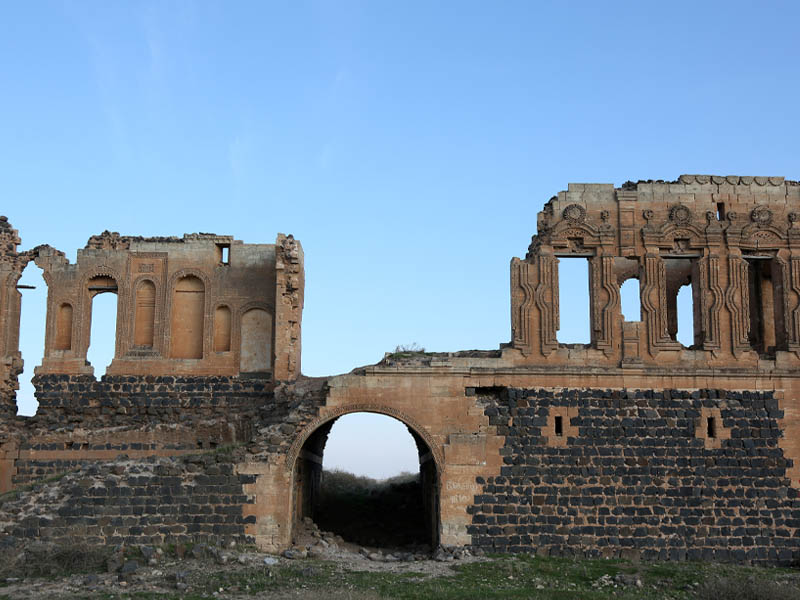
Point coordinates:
[(304, 461)]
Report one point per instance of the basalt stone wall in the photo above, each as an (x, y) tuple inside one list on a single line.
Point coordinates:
[(82, 421), (137, 416), (197, 498), (132, 400), (639, 474)]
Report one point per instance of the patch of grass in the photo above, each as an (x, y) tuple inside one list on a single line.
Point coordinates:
[(521, 577)]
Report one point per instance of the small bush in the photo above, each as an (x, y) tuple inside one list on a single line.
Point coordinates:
[(412, 348), (732, 588)]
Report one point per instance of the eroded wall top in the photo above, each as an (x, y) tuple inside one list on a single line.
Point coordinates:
[(734, 240), (202, 304)]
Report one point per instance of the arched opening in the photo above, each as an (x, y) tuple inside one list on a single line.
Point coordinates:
[(188, 309), (685, 317), (144, 316), (64, 327), (32, 326), (256, 340), (630, 300), (362, 503), (103, 323), (222, 329)]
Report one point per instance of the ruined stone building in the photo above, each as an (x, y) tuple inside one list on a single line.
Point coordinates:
[(632, 445)]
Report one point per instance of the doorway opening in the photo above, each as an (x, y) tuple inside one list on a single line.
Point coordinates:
[(354, 480)]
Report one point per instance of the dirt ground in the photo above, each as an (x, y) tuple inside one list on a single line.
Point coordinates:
[(155, 572)]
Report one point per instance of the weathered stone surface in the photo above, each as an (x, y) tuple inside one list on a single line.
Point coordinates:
[(632, 445)]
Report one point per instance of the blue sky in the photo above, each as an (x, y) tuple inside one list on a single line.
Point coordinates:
[(407, 145)]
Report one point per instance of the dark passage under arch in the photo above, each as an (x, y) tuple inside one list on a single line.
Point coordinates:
[(395, 515)]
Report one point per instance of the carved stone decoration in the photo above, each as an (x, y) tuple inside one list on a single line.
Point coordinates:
[(737, 299), (654, 306), (546, 299), (574, 213), (680, 215), (12, 264), (793, 312), (793, 217), (761, 216), (289, 305), (782, 336), (522, 294), (648, 215), (605, 300), (711, 299)]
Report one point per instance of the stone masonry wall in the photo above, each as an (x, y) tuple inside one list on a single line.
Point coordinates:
[(635, 474), (131, 400), (197, 498), (81, 420)]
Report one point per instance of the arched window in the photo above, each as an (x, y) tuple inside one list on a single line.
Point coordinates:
[(145, 314), (256, 349), (188, 307), (103, 322), (630, 300), (64, 327), (222, 329)]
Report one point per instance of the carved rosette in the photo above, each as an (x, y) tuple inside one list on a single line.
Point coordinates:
[(680, 215), (761, 216), (574, 214)]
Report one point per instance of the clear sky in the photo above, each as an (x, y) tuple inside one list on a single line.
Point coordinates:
[(408, 145)]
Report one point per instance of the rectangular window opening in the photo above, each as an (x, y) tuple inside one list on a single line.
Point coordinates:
[(766, 304), (711, 427), (574, 289), (720, 211), (224, 252), (683, 301), (559, 426)]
